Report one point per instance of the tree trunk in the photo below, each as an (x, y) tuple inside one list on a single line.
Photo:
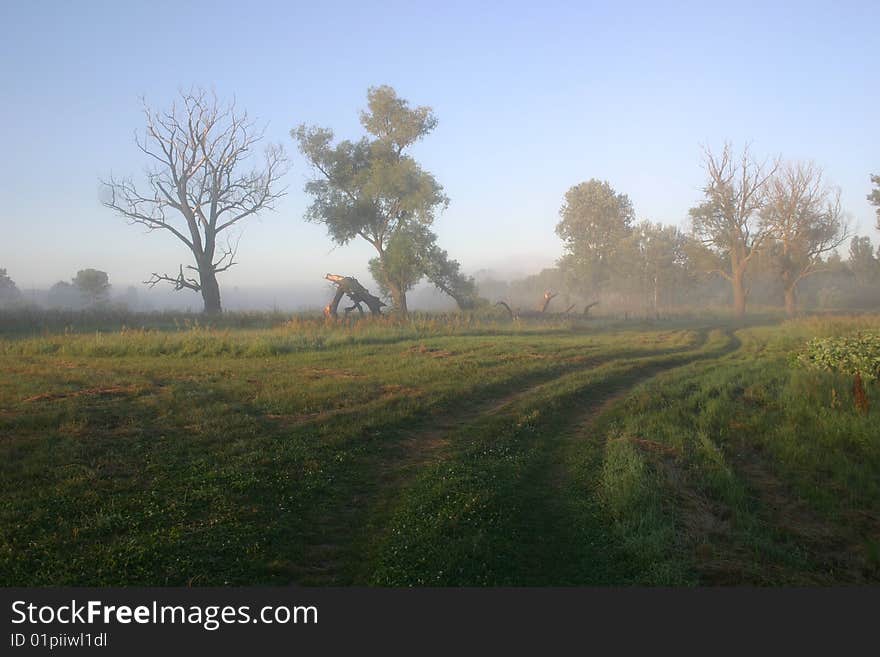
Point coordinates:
[(398, 298), (791, 300), (210, 292), (657, 296), (738, 283)]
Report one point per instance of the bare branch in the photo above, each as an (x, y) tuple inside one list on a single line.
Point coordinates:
[(180, 282), (199, 184)]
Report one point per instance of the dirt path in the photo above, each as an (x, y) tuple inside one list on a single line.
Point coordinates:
[(385, 473), (567, 540)]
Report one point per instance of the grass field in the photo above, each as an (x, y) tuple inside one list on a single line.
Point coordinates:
[(440, 451)]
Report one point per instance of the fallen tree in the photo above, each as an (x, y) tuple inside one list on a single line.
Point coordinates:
[(357, 293)]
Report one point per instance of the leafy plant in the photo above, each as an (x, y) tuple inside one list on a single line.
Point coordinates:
[(858, 354)]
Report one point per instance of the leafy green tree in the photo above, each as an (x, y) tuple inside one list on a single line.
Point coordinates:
[(657, 261), (413, 254), (9, 293), (401, 266), (445, 273), (93, 284), (727, 221), (864, 266), (374, 190), (594, 221)]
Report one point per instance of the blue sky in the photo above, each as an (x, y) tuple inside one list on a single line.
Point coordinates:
[(531, 99)]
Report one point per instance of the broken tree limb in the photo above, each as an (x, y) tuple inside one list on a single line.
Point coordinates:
[(588, 306), (350, 287), (506, 307), (568, 310), (357, 305), (548, 297)]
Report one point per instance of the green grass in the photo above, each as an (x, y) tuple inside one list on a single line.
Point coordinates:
[(456, 450)]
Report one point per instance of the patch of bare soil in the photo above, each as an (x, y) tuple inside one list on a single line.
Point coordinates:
[(320, 373), (386, 393), (429, 351), (394, 390), (97, 392), (647, 445)]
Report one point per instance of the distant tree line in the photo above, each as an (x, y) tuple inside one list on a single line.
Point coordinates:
[(765, 232), (768, 232), (90, 288)]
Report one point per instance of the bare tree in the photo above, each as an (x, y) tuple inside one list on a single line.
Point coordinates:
[(727, 221), (804, 218), (198, 187)]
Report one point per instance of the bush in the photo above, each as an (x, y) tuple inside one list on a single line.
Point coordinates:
[(859, 354)]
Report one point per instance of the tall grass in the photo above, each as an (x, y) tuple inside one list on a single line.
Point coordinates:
[(251, 334)]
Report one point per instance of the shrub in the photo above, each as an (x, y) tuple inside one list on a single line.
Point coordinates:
[(859, 354)]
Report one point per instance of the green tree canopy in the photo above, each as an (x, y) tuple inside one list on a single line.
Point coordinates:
[(654, 261), (595, 220), (374, 190), (93, 284), (9, 293), (862, 262)]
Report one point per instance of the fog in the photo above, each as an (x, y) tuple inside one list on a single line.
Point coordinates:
[(496, 133)]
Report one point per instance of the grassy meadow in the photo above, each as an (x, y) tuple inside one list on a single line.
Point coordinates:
[(443, 450)]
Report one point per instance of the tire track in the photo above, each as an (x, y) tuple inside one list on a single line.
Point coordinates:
[(424, 444), (558, 554), (388, 471)]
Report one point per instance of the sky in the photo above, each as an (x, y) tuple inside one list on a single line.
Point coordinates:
[(531, 98)]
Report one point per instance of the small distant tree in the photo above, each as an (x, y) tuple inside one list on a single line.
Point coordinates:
[(65, 295), (594, 222), (657, 261), (93, 284), (200, 188), (130, 298), (374, 190), (862, 262), (9, 292), (728, 220), (803, 218), (874, 197)]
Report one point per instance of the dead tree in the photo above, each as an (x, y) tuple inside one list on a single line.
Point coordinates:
[(202, 185), (548, 297), (350, 287)]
